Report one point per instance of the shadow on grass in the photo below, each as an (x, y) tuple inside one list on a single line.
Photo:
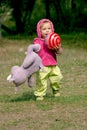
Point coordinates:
[(26, 96)]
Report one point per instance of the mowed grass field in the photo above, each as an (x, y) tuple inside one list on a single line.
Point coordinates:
[(22, 112)]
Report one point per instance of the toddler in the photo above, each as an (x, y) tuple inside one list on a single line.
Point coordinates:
[(49, 60)]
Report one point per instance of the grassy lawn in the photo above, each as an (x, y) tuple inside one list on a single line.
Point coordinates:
[(68, 112)]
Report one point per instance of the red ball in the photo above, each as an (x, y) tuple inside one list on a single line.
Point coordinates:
[(53, 40)]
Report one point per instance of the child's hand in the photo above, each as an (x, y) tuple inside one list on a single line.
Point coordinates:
[(59, 50)]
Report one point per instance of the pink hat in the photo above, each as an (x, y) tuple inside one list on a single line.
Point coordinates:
[(39, 25)]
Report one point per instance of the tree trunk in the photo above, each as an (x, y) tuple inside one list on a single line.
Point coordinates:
[(0, 29), (47, 8), (28, 12), (60, 16), (17, 15)]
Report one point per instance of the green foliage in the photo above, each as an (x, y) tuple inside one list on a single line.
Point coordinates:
[(78, 40), (67, 15)]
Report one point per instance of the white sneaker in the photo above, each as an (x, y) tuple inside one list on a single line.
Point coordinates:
[(40, 98)]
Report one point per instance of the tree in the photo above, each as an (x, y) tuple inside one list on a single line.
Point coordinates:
[(69, 14), (22, 10)]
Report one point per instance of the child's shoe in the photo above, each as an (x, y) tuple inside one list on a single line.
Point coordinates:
[(40, 98), (56, 93)]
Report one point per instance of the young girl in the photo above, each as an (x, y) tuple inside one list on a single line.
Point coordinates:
[(48, 56)]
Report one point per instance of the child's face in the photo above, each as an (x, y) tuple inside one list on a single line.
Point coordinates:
[(45, 29)]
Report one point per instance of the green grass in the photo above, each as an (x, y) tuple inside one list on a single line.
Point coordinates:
[(68, 112)]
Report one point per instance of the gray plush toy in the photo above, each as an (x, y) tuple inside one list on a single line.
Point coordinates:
[(31, 64)]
